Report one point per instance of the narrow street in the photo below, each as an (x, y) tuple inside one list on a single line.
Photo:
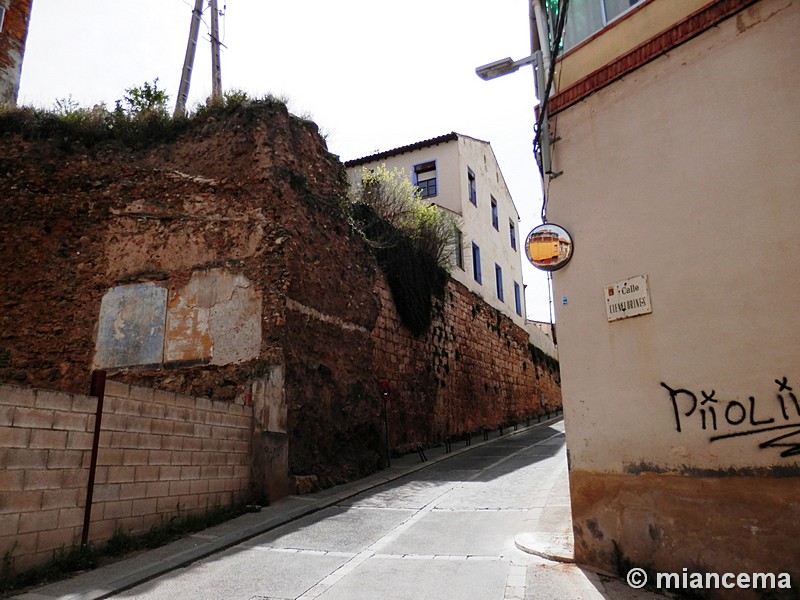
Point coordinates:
[(447, 529), (445, 532)]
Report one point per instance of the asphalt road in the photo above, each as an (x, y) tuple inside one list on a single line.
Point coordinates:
[(445, 532)]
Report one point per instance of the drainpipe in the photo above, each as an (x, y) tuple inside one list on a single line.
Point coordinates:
[(539, 23)]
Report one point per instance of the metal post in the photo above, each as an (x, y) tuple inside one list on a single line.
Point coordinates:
[(388, 443), (98, 390), (188, 61), (386, 393), (216, 70)]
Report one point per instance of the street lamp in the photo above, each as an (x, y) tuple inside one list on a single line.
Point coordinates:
[(502, 67), (505, 66)]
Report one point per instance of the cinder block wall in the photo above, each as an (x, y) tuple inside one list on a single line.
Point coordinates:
[(161, 454)]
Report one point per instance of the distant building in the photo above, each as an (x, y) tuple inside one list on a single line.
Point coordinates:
[(14, 18), (541, 335), (460, 174), (678, 143)]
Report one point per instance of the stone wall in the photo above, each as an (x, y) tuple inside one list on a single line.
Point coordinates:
[(473, 370), (220, 264), (161, 454)]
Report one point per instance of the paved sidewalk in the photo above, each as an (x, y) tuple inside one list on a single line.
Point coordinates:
[(545, 536)]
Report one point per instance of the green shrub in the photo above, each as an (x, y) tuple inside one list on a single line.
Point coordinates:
[(413, 241)]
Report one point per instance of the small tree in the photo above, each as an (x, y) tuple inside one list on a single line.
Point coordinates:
[(145, 100)]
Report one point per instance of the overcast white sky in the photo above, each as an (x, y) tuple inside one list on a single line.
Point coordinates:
[(373, 75)]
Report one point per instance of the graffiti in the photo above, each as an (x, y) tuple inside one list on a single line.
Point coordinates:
[(742, 418)]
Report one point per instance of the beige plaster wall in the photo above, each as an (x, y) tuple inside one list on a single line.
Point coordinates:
[(495, 244), (685, 171), (621, 36)]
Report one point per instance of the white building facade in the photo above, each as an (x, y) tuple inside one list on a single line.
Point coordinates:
[(460, 174)]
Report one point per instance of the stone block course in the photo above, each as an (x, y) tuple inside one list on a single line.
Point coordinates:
[(116, 390), (70, 517), (41, 520), (68, 421), (48, 399), (33, 417), (79, 440), (63, 498), (48, 438), (150, 442), (67, 459), (14, 437)]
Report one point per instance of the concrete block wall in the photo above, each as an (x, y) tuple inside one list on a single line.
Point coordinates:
[(160, 454)]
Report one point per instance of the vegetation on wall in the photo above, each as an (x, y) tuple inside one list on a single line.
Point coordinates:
[(413, 241), (138, 119), (540, 357)]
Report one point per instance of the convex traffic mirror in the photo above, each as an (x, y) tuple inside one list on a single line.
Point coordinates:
[(549, 247)]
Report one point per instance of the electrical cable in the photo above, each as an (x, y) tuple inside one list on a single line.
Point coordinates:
[(537, 141)]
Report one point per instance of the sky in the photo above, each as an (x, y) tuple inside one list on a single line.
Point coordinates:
[(373, 75)]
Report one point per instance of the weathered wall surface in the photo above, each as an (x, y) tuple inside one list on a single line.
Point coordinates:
[(474, 369), (221, 265), (161, 454), (12, 48), (81, 222)]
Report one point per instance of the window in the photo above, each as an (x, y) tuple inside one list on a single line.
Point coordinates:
[(587, 17), (498, 276), (425, 178), (476, 263), (459, 248), (517, 299), (473, 188), (495, 219), (512, 234)]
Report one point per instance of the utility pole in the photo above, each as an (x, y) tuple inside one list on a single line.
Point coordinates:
[(188, 62), (216, 71)]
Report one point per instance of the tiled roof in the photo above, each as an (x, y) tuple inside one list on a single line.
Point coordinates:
[(448, 137)]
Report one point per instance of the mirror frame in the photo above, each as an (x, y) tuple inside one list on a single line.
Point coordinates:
[(564, 249)]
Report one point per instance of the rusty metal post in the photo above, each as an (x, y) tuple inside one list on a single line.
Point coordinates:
[(98, 390)]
